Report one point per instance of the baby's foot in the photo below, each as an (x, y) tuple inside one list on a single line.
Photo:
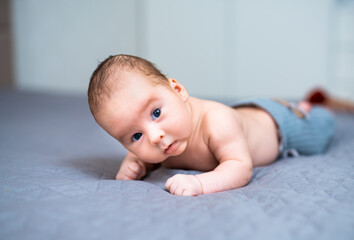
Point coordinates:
[(320, 96), (300, 109), (304, 106)]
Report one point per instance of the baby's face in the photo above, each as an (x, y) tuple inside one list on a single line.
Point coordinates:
[(152, 122)]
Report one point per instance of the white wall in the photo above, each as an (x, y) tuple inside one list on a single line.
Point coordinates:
[(241, 48), (342, 51), (185, 39), (281, 46), (217, 48), (59, 43)]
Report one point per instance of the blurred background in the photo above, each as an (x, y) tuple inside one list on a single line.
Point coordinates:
[(216, 48)]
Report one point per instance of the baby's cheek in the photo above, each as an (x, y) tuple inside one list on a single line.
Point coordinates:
[(182, 125)]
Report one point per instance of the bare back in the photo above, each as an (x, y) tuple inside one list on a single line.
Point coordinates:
[(261, 133)]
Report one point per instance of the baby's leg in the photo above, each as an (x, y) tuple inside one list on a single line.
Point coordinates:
[(319, 96), (309, 135)]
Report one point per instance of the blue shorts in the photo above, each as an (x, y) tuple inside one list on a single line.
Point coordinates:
[(307, 134)]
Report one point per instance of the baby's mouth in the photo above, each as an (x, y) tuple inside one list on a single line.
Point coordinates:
[(171, 148)]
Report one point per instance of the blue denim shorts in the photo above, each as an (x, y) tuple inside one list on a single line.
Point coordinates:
[(307, 134)]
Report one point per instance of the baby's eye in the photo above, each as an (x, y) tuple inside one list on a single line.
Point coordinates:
[(136, 136), (156, 113)]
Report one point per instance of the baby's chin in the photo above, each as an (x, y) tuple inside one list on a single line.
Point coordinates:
[(159, 159), (179, 149), (154, 160)]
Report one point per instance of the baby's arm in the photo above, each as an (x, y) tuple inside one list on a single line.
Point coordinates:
[(133, 169), (226, 139), (229, 145)]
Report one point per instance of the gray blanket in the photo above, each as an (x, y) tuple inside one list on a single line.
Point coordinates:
[(57, 174)]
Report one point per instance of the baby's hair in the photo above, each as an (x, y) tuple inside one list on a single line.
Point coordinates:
[(102, 84)]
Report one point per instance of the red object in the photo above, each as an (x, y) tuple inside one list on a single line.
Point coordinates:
[(318, 96)]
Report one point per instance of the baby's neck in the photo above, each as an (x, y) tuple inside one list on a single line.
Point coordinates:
[(198, 109), (195, 108)]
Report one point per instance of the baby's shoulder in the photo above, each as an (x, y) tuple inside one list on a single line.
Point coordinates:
[(221, 126), (212, 109), (219, 117)]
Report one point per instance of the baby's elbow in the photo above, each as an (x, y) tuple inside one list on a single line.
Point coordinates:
[(247, 174)]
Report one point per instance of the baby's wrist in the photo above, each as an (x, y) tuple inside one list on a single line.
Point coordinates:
[(201, 185)]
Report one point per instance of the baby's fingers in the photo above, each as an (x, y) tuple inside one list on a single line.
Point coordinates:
[(168, 183), (172, 185), (127, 175), (179, 191), (131, 171), (135, 171)]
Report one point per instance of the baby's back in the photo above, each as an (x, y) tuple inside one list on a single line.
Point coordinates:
[(261, 134)]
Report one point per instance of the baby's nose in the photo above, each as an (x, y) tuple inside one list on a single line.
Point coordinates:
[(157, 135)]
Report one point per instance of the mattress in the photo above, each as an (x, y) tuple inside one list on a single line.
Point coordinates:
[(57, 169)]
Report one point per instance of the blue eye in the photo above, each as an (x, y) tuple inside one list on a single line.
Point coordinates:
[(156, 113), (137, 136)]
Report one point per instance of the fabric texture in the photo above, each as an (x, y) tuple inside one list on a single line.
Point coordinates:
[(57, 169), (308, 135)]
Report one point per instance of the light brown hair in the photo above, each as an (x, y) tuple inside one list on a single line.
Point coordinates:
[(102, 84)]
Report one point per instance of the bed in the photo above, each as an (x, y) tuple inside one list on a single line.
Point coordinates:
[(57, 174)]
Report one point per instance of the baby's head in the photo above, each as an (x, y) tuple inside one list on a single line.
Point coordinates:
[(137, 105), (106, 78)]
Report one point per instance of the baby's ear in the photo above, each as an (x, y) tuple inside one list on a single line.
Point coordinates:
[(179, 88)]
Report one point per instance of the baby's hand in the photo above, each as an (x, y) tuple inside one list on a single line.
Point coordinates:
[(131, 170), (184, 185)]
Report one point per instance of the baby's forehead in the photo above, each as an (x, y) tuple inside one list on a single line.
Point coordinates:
[(121, 80), (132, 86), (125, 97)]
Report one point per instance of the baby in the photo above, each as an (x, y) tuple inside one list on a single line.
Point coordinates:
[(156, 120)]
